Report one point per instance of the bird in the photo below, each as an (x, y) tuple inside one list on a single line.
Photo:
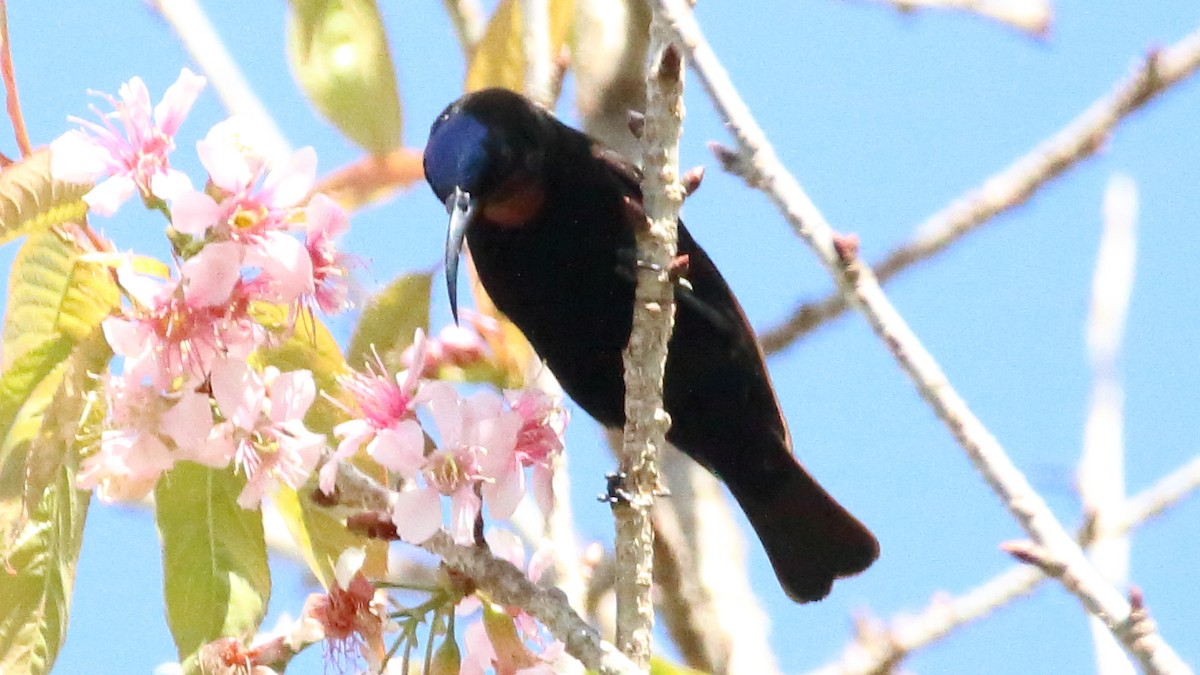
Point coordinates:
[(544, 211)]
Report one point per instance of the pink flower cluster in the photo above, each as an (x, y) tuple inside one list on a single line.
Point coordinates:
[(186, 390), (485, 444)]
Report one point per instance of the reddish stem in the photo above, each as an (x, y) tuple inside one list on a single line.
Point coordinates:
[(13, 101)]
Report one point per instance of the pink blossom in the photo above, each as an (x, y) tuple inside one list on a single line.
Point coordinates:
[(385, 421), (264, 425), (351, 616), (324, 221), (540, 441), (256, 205), (454, 346), (177, 329), (145, 433), (475, 452), (132, 152)]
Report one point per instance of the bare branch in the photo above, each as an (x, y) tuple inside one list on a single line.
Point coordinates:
[(469, 22), (360, 495), (1031, 16), (200, 39), (539, 68), (879, 647), (645, 357), (8, 73), (509, 586), (760, 167), (1014, 185), (1102, 466)]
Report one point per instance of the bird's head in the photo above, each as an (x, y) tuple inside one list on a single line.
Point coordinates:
[(484, 158)]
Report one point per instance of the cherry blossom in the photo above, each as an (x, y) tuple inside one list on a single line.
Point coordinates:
[(540, 441), (129, 147), (146, 432), (477, 438), (325, 221), (386, 424), (264, 428), (177, 329), (351, 616), (454, 346), (256, 204)]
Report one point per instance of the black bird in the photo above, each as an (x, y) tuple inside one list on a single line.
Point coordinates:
[(543, 209)]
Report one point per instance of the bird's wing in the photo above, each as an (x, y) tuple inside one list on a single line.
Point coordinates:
[(629, 175)]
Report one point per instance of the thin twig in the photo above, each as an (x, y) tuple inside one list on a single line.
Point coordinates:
[(645, 356), (469, 23), (879, 647), (608, 64), (200, 39), (539, 66), (509, 586), (757, 163), (8, 72), (1014, 185), (1102, 465), (1031, 16)]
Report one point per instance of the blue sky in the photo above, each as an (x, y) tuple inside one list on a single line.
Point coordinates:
[(883, 118)]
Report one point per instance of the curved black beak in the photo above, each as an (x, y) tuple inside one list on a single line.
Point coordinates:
[(461, 208)]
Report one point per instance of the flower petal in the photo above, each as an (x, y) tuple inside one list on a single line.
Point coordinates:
[(400, 448), (212, 274), (417, 514), (177, 101), (110, 194), (194, 212), (292, 180)]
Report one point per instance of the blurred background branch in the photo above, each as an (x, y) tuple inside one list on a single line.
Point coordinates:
[(1160, 71)]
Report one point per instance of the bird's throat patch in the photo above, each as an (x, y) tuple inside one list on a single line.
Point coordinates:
[(515, 206)]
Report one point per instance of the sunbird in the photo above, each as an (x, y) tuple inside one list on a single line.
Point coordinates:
[(545, 211)]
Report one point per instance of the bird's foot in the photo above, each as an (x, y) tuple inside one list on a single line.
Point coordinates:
[(615, 492)]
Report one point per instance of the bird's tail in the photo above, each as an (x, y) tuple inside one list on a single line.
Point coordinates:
[(809, 538)]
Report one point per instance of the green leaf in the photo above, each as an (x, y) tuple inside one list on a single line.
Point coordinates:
[(322, 537), (51, 291), (215, 576), (26, 390), (37, 598), (499, 59), (389, 320), (339, 52), (61, 420), (31, 201)]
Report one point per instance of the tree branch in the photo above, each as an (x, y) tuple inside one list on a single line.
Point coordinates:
[(1014, 185), (879, 647), (1102, 464), (359, 495), (1031, 16), (539, 67), (469, 23), (645, 356), (201, 41), (757, 163), (8, 73)]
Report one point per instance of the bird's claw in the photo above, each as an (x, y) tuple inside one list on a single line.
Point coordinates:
[(615, 492)]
